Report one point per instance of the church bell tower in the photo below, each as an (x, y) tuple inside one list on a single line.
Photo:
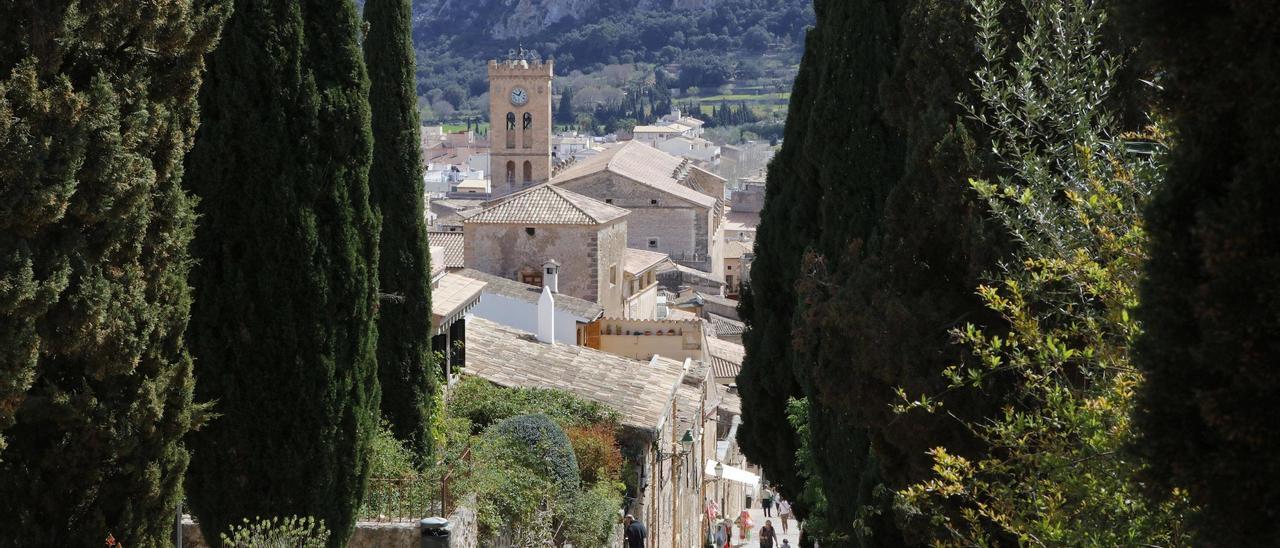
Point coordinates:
[(519, 123)]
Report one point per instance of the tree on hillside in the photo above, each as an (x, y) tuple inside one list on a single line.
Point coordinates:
[(97, 109), (283, 326), (564, 113), (1210, 301), (405, 369)]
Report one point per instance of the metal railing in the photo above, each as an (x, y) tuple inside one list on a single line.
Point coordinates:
[(400, 500), (409, 499)]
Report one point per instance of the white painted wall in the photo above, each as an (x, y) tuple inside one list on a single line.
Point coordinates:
[(524, 316)]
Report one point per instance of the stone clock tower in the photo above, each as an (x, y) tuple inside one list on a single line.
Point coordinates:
[(519, 124)]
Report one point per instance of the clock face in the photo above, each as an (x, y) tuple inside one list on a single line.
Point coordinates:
[(519, 96)]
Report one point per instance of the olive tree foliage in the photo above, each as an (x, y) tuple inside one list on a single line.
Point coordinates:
[(1056, 473)]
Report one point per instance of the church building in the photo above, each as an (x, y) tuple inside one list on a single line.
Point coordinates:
[(520, 124)]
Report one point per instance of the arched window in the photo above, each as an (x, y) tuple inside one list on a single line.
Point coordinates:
[(511, 172), (511, 130), (528, 171), (527, 138)]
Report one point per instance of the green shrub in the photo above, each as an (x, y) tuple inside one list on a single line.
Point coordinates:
[(587, 518), (546, 448), (508, 491), (388, 456), (290, 532), (484, 404)]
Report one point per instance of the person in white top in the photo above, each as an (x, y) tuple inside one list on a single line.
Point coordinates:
[(784, 513)]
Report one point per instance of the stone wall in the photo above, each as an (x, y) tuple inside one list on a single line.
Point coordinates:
[(506, 250), (463, 533), (678, 225), (611, 245)]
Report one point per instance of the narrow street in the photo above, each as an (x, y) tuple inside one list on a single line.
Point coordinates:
[(758, 518)]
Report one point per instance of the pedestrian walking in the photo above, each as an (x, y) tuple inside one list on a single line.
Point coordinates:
[(633, 532), (784, 513), (766, 502), (767, 535), (744, 525), (723, 534)]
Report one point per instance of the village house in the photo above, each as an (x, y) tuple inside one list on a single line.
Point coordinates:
[(516, 305), (452, 297), (513, 237), (677, 422), (675, 207)]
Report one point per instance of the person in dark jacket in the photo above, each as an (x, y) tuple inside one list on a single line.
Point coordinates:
[(633, 532)]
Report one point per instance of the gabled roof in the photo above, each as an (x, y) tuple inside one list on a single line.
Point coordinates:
[(639, 390), (498, 285), (546, 204), (665, 128), (635, 261), (640, 163), (726, 357), (451, 247), (735, 249)]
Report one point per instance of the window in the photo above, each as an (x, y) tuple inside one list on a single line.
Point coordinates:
[(511, 172), (653, 243), (613, 275), (653, 202), (533, 278), (528, 171), (526, 139), (728, 267), (530, 231), (511, 130), (608, 200)]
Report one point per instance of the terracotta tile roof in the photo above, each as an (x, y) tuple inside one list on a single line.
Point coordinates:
[(741, 220), (640, 163), (640, 391), (726, 357), (451, 245), (530, 293), (546, 204), (725, 327), (635, 261), (736, 249)]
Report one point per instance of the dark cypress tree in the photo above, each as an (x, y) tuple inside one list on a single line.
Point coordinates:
[(97, 109), (787, 226), (283, 327), (564, 113), (899, 252), (1211, 300), (405, 367), (889, 317)]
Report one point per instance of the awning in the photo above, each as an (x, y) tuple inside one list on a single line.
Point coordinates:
[(733, 473), (451, 298)]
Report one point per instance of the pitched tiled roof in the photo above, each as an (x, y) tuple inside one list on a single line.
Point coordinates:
[(451, 245), (726, 327), (735, 249), (635, 261), (640, 163), (726, 357), (453, 296), (546, 204), (530, 293), (639, 390)]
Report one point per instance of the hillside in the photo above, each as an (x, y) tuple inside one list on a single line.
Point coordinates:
[(700, 43)]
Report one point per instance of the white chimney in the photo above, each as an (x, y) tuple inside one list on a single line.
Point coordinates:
[(547, 316), (551, 275)]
